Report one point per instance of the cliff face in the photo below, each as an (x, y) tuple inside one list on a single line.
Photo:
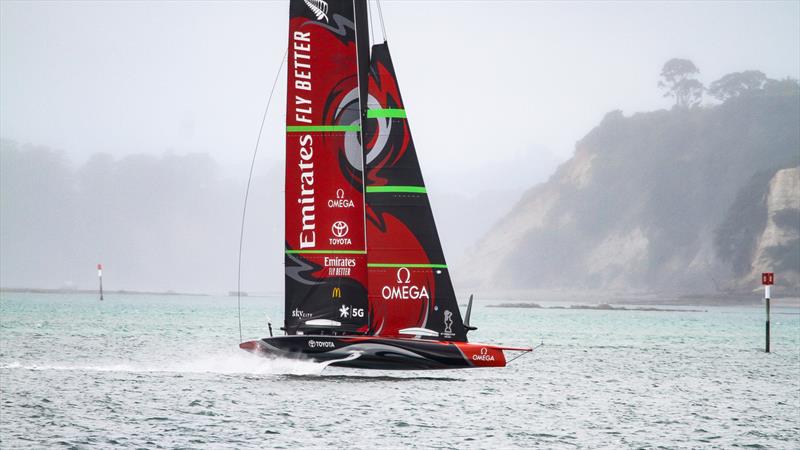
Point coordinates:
[(688, 201), (778, 246)]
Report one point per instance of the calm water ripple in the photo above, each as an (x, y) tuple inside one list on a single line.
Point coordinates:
[(165, 372)]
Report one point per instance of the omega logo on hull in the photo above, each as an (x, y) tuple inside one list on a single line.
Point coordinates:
[(340, 201), (484, 356), (404, 289)]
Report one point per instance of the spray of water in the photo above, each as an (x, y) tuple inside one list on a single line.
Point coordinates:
[(223, 363)]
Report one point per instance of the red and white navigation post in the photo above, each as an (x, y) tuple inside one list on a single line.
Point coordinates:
[(100, 277), (767, 279)]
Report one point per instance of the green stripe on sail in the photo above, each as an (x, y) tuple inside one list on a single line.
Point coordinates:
[(412, 266), (407, 189), (321, 252), (304, 128), (394, 113)]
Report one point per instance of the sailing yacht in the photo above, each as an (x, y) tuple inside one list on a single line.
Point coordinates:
[(367, 284)]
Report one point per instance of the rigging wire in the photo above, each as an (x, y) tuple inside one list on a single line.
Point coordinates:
[(524, 353), (371, 25), (247, 194), (380, 16)]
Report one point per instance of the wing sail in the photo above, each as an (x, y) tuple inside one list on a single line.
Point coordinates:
[(326, 266), (409, 285)]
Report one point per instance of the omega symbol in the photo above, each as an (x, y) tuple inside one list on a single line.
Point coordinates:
[(400, 278)]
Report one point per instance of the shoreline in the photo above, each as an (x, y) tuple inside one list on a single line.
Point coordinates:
[(564, 299), (96, 292), (600, 307)]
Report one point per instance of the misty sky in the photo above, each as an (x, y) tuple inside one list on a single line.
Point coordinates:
[(497, 94), (484, 82)]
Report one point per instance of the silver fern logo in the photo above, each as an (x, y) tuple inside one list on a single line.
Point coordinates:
[(319, 8)]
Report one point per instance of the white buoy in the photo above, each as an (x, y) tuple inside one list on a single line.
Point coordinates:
[(100, 277)]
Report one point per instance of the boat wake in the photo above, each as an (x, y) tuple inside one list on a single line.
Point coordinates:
[(224, 364)]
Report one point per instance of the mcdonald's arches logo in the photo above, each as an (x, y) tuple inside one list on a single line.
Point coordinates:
[(336, 293)]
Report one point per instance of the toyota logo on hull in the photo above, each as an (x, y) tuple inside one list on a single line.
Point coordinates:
[(340, 229), (320, 344)]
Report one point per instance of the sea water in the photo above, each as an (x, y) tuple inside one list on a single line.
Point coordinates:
[(137, 371)]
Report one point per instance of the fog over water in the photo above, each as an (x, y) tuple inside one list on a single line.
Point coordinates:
[(128, 127)]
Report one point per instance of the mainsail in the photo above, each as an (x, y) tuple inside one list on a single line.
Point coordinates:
[(409, 284), (326, 266)]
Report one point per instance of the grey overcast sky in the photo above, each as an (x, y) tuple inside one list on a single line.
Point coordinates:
[(484, 82)]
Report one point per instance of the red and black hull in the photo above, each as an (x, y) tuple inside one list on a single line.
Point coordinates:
[(374, 352)]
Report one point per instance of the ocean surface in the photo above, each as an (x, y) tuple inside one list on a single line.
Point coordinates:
[(139, 371)]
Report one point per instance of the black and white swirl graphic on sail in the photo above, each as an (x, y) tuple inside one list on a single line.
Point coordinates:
[(383, 133), (347, 114), (301, 272), (319, 8)]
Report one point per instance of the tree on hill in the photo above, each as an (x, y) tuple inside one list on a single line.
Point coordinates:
[(678, 81), (737, 84), (786, 88)]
